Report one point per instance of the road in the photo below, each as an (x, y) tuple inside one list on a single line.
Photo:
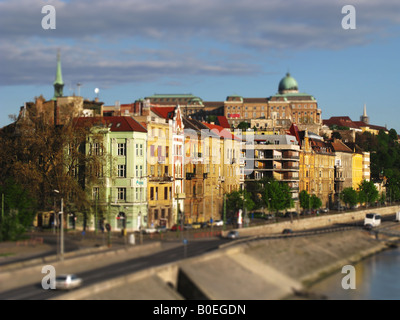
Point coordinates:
[(194, 248)]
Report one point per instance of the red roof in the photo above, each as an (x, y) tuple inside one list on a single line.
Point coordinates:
[(222, 132), (223, 122), (340, 121), (164, 112), (116, 123)]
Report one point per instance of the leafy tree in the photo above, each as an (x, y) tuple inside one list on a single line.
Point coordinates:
[(41, 157), (277, 196), (316, 202), (367, 192), (18, 211), (305, 200), (238, 200), (243, 125), (349, 196)]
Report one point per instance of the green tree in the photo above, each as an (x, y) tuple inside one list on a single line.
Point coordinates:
[(316, 202), (19, 211), (368, 193), (277, 196), (305, 200), (349, 196), (243, 125), (238, 200)]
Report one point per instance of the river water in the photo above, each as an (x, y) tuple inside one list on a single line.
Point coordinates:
[(376, 278)]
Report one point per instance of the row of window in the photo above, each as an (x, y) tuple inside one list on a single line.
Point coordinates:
[(138, 193), (156, 195), (121, 149), (121, 172), (277, 108)]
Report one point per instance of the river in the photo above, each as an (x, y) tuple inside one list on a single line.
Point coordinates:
[(376, 278)]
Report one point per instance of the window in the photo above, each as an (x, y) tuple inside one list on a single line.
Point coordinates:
[(137, 194), (121, 170), (122, 149), (97, 149), (165, 193), (95, 193), (151, 193), (121, 193)]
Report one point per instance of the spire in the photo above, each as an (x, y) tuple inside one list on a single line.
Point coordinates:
[(364, 118), (58, 82)]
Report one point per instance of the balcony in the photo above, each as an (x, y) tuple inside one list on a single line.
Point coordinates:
[(164, 178)]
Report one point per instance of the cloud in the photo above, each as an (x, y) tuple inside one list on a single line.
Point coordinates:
[(144, 40)]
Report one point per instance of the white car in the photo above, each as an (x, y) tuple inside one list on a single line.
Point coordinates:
[(372, 219), (68, 282), (219, 223)]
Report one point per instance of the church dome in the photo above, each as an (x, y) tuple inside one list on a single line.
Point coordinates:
[(288, 84)]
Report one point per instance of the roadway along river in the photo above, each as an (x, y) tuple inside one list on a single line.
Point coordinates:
[(194, 248)]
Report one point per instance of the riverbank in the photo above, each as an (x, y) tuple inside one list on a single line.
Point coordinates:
[(310, 259)]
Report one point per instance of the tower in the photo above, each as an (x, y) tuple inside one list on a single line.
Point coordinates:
[(58, 82), (364, 118)]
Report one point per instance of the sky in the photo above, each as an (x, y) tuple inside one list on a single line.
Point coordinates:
[(131, 49)]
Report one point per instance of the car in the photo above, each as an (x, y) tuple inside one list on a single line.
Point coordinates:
[(188, 226), (196, 225), (176, 227), (67, 282), (287, 231), (218, 223), (233, 234), (372, 219), (161, 229), (150, 230), (325, 210), (291, 214)]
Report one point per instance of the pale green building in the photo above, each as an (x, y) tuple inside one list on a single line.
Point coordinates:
[(120, 193)]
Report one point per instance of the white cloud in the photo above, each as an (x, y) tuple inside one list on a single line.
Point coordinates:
[(142, 40)]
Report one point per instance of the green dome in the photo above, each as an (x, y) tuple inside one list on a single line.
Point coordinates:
[(288, 83)]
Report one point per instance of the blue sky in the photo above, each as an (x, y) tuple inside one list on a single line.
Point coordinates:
[(134, 48)]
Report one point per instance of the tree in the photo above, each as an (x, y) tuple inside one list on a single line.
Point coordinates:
[(41, 157), (18, 211), (277, 196), (238, 200), (243, 125), (316, 202), (367, 192), (349, 196), (305, 200)]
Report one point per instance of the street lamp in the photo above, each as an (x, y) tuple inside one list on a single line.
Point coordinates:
[(61, 228)]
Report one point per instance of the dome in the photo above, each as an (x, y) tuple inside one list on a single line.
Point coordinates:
[(288, 84)]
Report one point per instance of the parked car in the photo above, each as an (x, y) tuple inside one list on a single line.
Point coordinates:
[(325, 210), (233, 234), (196, 225), (162, 229), (287, 231), (176, 227), (150, 230), (219, 223), (67, 282), (188, 226), (291, 214)]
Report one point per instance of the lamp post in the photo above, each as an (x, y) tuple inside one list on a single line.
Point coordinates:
[(61, 228)]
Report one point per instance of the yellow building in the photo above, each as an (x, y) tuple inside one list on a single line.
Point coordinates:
[(317, 168)]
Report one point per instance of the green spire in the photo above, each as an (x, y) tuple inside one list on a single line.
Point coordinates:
[(58, 83)]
